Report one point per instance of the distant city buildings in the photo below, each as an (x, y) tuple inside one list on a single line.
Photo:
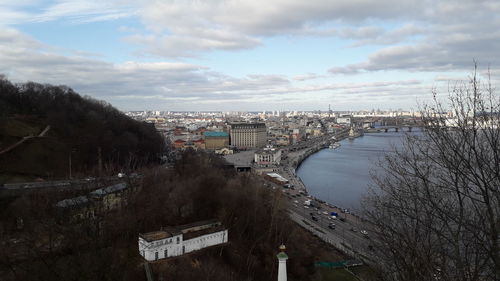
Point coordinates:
[(228, 132)]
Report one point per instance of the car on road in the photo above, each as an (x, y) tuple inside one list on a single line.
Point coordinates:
[(342, 219), (314, 218), (331, 226), (364, 232), (353, 229), (305, 207)]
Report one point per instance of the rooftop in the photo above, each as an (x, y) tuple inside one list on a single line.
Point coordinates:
[(198, 225), (110, 189), (201, 232), (267, 151), (215, 134), (73, 202), (242, 125), (159, 235), (188, 230)]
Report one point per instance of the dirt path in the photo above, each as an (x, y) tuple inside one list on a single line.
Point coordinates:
[(12, 146)]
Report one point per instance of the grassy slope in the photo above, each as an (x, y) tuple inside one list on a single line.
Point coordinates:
[(35, 158)]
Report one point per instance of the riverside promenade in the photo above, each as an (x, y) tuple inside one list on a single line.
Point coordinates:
[(344, 232), (295, 154)]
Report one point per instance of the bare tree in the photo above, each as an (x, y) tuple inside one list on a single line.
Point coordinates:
[(436, 211)]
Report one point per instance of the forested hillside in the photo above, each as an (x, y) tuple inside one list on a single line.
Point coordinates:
[(78, 129), (200, 187)]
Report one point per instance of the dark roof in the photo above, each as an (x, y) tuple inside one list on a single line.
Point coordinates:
[(201, 232), (73, 202), (188, 230), (267, 151), (161, 234), (110, 189), (247, 125), (206, 224)]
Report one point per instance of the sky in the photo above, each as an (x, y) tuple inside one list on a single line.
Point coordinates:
[(251, 55)]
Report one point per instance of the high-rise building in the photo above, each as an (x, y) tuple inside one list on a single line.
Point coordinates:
[(248, 134)]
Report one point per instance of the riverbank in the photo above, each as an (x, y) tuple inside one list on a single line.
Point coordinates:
[(295, 159)]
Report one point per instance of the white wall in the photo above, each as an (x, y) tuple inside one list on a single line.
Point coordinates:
[(204, 241), (149, 249)]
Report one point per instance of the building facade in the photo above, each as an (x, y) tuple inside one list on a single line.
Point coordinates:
[(216, 140), (97, 202), (248, 134), (176, 241), (267, 156)]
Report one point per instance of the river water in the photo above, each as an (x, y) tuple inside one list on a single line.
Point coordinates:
[(341, 176)]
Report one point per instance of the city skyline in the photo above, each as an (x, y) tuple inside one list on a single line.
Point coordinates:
[(250, 55)]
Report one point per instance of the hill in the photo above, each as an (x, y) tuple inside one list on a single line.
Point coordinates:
[(199, 187), (46, 131)]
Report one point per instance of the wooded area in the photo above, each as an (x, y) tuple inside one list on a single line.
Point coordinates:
[(437, 214), (199, 187), (83, 131)]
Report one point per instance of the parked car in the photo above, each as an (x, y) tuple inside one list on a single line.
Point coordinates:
[(342, 219), (331, 226), (364, 232), (314, 218)]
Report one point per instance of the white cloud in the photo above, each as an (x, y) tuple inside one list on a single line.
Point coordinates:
[(184, 28), (416, 36), (75, 11), (307, 76), (170, 85)]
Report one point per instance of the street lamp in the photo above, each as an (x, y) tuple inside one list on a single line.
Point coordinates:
[(70, 153)]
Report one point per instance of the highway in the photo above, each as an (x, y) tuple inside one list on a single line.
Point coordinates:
[(346, 235), (347, 232)]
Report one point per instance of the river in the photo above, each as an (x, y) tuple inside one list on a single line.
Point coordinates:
[(341, 176)]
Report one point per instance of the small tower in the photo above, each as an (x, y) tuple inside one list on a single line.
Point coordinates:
[(282, 257)]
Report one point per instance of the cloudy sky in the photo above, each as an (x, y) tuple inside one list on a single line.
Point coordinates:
[(250, 54)]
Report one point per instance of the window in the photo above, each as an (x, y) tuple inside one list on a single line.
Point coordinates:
[(156, 255), (165, 253), (178, 240)]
